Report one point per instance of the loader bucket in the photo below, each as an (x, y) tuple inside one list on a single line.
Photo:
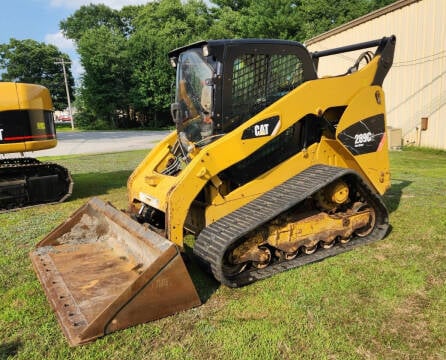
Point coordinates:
[(102, 271)]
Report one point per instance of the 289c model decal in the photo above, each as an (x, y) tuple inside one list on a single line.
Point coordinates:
[(360, 139), (365, 136)]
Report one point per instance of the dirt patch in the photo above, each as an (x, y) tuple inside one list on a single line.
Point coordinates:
[(88, 230)]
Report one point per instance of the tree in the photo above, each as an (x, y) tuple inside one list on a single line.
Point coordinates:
[(124, 53), (227, 23), (286, 19), (235, 5), (161, 27), (280, 19), (319, 16), (89, 17), (105, 84), (101, 35), (32, 62)]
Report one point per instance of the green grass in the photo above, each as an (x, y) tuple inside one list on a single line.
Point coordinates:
[(382, 301)]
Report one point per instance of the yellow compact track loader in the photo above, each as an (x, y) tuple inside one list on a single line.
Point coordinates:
[(26, 124), (270, 168)]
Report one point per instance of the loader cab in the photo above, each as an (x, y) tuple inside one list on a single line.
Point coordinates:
[(220, 84)]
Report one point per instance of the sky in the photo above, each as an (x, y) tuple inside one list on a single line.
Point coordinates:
[(39, 20)]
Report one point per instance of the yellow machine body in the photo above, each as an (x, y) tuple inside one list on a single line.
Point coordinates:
[(174, 195), (27, 125), (38, 132), (270, 168)]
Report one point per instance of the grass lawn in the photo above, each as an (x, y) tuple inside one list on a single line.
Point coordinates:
[(382, 301)]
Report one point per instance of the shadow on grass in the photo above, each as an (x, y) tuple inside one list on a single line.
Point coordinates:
[(392, 197), (9, 349), (92, 184), (203, 280)]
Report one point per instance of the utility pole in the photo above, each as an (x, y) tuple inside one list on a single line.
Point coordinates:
[(63, 62)]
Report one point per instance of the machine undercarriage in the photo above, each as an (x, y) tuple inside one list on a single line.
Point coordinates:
[(27, 182), (293, 225)]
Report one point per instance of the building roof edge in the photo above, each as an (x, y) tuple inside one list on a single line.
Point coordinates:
[(358, 21)]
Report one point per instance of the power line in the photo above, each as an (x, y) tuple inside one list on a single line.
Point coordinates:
[(421, 60), (63, 62)]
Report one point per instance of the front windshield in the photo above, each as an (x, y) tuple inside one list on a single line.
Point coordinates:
[(194, 97)]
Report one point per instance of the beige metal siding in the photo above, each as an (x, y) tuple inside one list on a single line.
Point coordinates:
[(416, 85)]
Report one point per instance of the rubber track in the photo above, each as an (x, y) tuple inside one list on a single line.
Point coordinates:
[(213, 241), (29, 166)]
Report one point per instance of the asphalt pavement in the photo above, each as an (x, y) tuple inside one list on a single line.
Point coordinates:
[(88, 142)]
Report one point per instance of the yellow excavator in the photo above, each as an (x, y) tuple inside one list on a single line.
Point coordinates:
[(26, 125), (270, 168)]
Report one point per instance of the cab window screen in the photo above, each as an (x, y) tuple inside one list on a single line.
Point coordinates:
[(259, 80)]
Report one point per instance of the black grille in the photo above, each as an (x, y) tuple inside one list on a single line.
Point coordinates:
[(260, 79)]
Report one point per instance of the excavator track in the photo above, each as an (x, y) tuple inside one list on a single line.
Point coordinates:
[(26, 182), (217, 239)]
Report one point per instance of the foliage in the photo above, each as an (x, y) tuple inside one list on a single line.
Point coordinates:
[(161, 27), (385, 300), (32, 62), (127, 79), (91, 17), (105, 83), (319, 16), (234, 5), (281, 19)]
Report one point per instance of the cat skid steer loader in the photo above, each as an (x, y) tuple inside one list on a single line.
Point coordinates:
[(270, 168)]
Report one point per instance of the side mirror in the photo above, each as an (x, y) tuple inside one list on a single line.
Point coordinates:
[(175, 112)]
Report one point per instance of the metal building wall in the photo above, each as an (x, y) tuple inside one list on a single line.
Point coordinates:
[(416, 85)]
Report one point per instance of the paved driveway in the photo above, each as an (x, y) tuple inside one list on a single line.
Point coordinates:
[(88, 142)]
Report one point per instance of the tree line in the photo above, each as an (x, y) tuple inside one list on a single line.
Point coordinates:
[(127, 79), (37, 63)]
